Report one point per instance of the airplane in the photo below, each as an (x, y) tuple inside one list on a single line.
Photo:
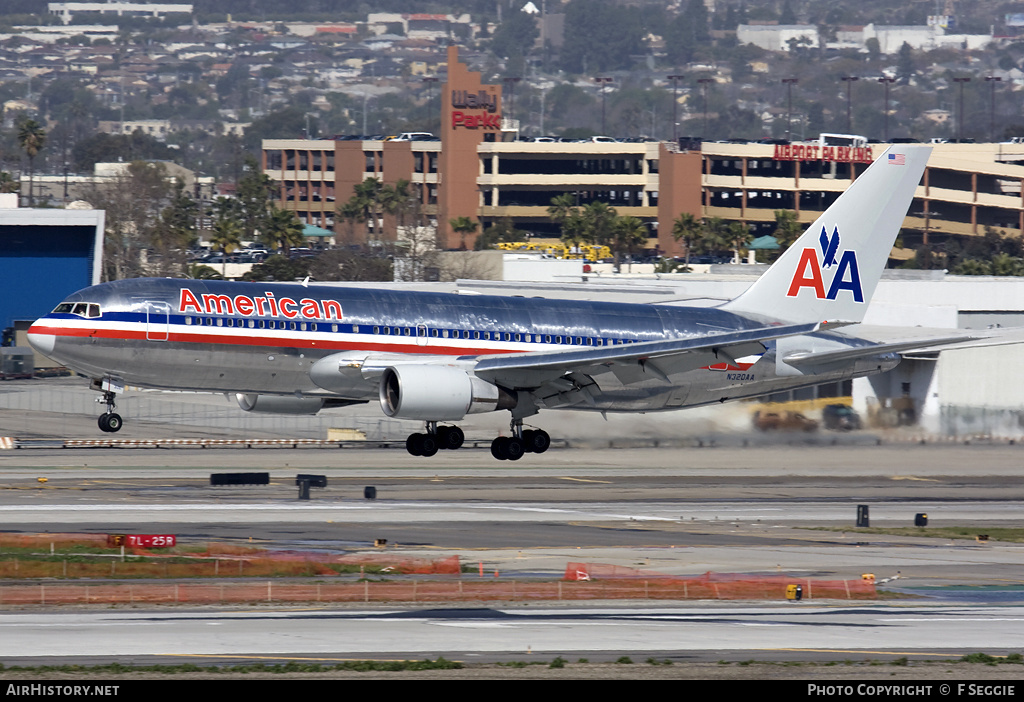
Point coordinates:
[(438, 357)]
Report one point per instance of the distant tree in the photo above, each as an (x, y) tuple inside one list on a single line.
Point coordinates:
[(253, 193), (278, 268), (714, 237), (8, 184), (874, 48), (905, 64), (463, 226), (687, 228), (739, 237), (564, 212), (114, 148), (227, 229), (287, 123), (200, 271), (365, 207), (350, 264), (787, 228), (599, 223), (787, 16), (502, 230), (31, 138), (515, 35), (629, 237), (600, 36), (134, 200), (687, 31), (174, 232), (281, 229)]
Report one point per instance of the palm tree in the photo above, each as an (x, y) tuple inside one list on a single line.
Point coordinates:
[(283, 230), (367, 198), (713, 237), (687, 228), (599, 222), (463, 226), (31, 138), (787, 228), (351, 212), (630, 236), (566, 213), (8, 184), (227, 229), (739, 237)]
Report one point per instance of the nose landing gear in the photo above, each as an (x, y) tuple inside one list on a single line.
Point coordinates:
[(109, 421)]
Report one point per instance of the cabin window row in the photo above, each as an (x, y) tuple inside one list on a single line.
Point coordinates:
[(420, 331)]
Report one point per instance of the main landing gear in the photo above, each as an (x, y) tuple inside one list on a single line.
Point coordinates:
[(512, 448), (504, 448), (436, 438), (109, 421)]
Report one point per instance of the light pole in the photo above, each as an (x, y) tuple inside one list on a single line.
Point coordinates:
[(960, 120), (675, 104), (600, 85), (429, 82), (511, 83), (992, 80), (789, 83), (703, 82), (849, 112), (886, 81)]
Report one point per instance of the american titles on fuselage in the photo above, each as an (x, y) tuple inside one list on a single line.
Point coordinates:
[(258, 306)]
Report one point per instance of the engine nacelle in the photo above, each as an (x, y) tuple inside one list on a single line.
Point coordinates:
[(279, 404), (439, 393)]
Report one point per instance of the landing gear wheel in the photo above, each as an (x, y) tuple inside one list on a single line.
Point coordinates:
[(536, 440), (450, 438), (428, 445), (412, 444), (421, 444), (498, 448), (110, 422), (514, 449), (507, 448)]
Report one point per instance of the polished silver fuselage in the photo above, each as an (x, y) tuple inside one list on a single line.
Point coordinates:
[(218, 337)]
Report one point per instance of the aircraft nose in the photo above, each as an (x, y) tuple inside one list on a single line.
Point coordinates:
[(43, 343)]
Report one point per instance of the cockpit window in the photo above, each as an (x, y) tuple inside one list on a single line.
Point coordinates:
[(82, 309)]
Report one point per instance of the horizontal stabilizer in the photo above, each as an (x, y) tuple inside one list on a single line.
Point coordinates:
[(803, 360)]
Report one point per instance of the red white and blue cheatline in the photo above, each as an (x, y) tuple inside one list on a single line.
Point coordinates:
[(897, 160)]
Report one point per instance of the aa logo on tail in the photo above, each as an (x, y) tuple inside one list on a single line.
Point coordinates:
[(809, 271)]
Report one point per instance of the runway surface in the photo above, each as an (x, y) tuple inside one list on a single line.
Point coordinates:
[(705, 632), (672, 511)]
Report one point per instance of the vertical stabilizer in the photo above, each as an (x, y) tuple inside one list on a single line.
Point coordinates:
[(829, 274)]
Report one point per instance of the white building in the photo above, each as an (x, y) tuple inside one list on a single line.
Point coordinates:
[(777, 37), (67, 10)]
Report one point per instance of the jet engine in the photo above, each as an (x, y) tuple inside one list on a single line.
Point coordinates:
[(279, 404), (439, 393)]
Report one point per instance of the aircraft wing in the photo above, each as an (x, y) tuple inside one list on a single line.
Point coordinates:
[(632, 362)]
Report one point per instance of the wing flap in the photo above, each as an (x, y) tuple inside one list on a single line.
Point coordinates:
[(633, 362)]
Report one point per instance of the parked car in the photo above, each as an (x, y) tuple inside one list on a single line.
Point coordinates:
[(414, 136), (783, 421), (840, 418)]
